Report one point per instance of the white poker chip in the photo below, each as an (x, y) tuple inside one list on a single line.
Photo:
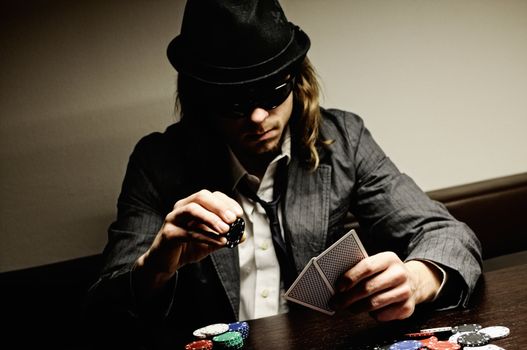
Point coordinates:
[(211, 330), (496, 332), (436, 330), (486, 347), (453, 337)]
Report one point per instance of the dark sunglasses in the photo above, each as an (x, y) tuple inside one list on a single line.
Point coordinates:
[(240, 105)]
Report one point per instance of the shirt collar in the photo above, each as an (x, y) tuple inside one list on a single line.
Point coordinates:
[(238, 171)]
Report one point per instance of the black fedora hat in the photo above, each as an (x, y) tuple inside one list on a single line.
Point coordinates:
[(230, 42)]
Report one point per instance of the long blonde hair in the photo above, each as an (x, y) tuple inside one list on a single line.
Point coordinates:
[(306, 117), (307, 113)]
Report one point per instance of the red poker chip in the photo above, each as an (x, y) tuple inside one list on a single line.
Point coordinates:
[(428, 341), (443, 345), (199, 345)]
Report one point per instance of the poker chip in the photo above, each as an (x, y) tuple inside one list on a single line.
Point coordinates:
[(235, 234), (240, 327), (466, 327), (453, 337), (203, 344), (406, 345), (426, 342), (443, 345), (211, 330), (419, 334), (495, 332), (436, 330), (473, 339), (228, 340), (440, 332)]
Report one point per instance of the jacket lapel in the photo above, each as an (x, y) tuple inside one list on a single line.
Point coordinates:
[(226, 263), (307, 210)]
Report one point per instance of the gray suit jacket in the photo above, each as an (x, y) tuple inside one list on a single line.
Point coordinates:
[(354, 176)]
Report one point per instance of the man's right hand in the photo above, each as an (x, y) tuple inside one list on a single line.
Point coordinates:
[(191, 231)]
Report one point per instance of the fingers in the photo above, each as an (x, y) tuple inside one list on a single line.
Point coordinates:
[(206, 237), (397, 311), (214, 211), (366, 268), (171, 235), (225, 209), (202, 217), (174, 247), (379, 284), (372, 288)]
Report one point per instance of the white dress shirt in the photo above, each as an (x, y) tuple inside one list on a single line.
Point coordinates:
[(261, 292)]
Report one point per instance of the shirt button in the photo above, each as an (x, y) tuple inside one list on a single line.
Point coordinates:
[(264, 293), (264, 245)]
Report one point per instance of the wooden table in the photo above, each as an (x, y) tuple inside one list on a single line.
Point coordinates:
[(500, 299)]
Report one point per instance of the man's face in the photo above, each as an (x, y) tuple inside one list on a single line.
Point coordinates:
[(252, 119), (259, 133)]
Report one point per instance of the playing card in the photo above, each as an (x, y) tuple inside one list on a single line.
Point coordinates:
[(339, 258), (316, 283), (309, 289)]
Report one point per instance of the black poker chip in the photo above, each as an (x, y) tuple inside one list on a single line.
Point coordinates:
[(466, 327), (473, 339), (235, 234)]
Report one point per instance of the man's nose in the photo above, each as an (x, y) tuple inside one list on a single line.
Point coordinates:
[(258, 115)]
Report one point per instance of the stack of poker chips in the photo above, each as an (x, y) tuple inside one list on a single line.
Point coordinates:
[(240, 327), (466, 335), (220, 336), (473, 335), (202, 344), (433, 343), (228, 340)]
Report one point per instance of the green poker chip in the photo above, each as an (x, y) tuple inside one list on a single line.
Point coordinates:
[(228, 340)]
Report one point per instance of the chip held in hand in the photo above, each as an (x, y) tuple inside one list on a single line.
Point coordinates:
[(236, 232)]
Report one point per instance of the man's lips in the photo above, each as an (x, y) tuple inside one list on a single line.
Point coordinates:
[(260, 136)]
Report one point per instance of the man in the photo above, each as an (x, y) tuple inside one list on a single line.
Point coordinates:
[(250, 121)]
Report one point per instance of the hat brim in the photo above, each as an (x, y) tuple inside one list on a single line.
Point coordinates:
[(181, 58)]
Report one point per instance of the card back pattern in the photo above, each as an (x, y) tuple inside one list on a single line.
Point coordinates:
[(310, 290), (340, 257)]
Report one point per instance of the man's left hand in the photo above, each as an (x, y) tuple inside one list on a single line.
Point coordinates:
[(387, 287)]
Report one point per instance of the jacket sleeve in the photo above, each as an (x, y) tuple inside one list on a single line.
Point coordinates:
[(398, 216), (139, 218)]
